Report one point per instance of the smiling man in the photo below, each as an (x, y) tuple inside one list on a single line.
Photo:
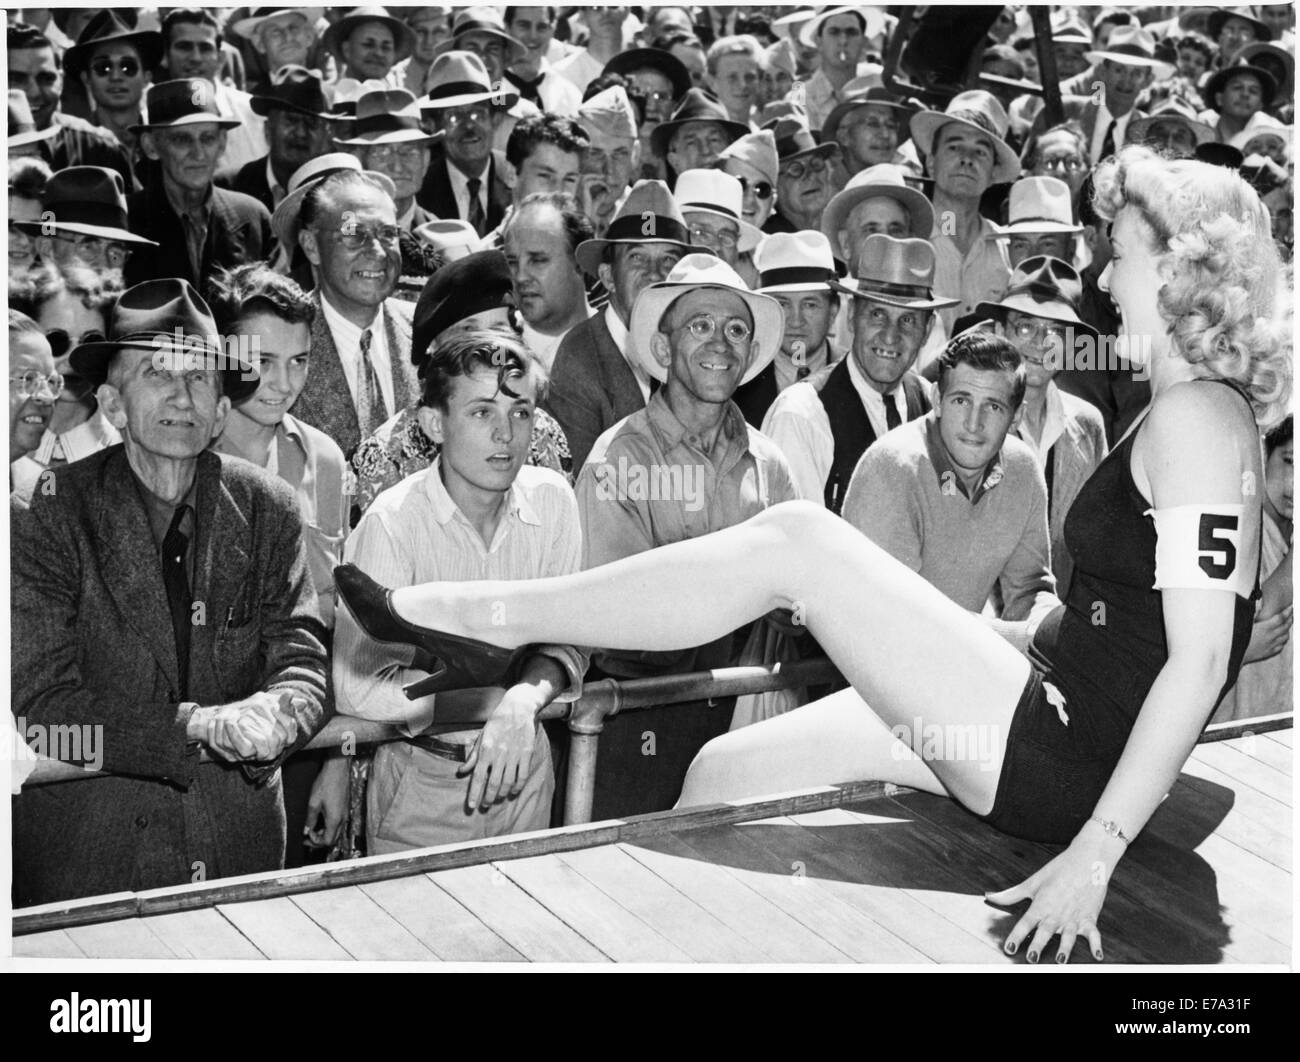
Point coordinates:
[(475, 763), (361, 337), (197, 227), (113, 62)]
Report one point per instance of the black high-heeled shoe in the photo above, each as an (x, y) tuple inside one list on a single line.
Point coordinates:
[(463, 663)]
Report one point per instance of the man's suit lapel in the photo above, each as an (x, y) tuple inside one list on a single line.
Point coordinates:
[(130, 567), (219, 520), (398, 334), (623, 387), (326, 401)]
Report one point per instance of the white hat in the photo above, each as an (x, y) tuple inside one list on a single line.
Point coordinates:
[(703, 271), (610, 112), (1040, 204), (455, 239), (795, 261), (1261, 123), (720, 194), (874, 21)]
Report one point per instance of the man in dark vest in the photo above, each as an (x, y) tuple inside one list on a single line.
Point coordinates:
[(825, 423)]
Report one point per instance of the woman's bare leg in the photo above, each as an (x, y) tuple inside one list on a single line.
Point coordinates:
[(918, 659)]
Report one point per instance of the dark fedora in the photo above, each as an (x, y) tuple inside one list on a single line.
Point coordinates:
[(696, 106), (1042, 287), (109, 26), (656, 59), (649, 214), (895, 272), (185, 101), (794, 140), (471, 285), (87, 200), (293, 88), (403, 35), (169, 317), (1216, 84)]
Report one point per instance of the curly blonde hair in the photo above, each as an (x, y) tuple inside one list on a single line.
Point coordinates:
[(1227, 302)]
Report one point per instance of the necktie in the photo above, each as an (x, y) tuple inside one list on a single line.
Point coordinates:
[(476, 217), (372, 411), (1108, 141), (892, 419), (176, 580), (527, 89)]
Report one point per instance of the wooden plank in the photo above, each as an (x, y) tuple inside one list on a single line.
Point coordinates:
[(1246, 772), (880, 916), (441, 924), (128, 939), (1257, 823), (780, 932), (574, 900), (362, 928), (279, 930), (1282, 737), (1259, 747), (692, 929), (56, 944), (516, 917), (202, 934)]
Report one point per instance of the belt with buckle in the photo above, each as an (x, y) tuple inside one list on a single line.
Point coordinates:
[(447, 750)]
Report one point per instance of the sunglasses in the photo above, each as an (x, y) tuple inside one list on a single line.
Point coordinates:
[(762, 189), (61, 340), (126, 66)]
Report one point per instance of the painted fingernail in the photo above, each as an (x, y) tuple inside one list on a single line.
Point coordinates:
[(1011, 947), (1060, 956), (1032, 956), (1097, 955)]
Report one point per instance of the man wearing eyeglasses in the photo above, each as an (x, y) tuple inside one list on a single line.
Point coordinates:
[(195, 226), (34, 70), (360, 337), (387, 137)]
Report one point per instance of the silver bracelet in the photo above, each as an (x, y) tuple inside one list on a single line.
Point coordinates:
[(1111, 828)]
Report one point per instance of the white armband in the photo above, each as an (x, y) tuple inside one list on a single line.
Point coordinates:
[(1198, 547)]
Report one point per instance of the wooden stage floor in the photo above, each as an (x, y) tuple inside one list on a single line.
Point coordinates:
[(893, 878)]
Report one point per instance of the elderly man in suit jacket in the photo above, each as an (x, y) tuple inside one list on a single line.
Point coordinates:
[(595, 380), (162, 602), (361, 370), (197, 227)]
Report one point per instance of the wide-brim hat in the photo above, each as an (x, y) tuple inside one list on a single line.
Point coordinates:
[(696, 106), (88, 200), (895, 272), (1216, 84), (170, 318), (1214, 24), (389, 116), (22, 126), (248, 27), (649, 214), (474, 284), (873, 22), (1248, 53), (459, 78), (794, 262), (1262, 124), (1040, 204), (1176, 110), (293, 88), (978, 110), (1042, 287), (652, 59), (452, 238), (703, 271), (403, 35), (482, 20), (874, 96), (1132, 46), (718, 193), (1066, 28), (108, 26), (874, 182), (284, 220), (185, 101)]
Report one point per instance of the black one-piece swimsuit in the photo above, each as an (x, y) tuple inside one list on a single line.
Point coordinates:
[(1099, 653)]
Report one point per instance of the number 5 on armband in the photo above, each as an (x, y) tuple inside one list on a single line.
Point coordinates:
[(1197, 548)]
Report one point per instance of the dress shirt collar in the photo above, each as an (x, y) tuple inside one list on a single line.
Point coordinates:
[(1053, 424), (347, 336), (445, 509), (278, 191)]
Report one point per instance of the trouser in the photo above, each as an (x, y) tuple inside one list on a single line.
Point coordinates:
[(416, 800)]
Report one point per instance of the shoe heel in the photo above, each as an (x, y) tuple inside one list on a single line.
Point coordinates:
[(439, 682)]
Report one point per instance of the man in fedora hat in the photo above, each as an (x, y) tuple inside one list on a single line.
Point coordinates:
[(868, 126), (34, 70), (1039, 316), (297, 131), (361, 336), (596, 381), (367, 41), (684, 466), (805, 181), (113, 62), (388, 138), (711, 202), (1173, 128), (876, 200), (279, 37), (191, 569), (823, 424), (966, 152), (1232, 28), (697, 134), (957, 498), (1040, 220), (84, 230), (612, 157), (466, 177), (1235, 95), (192, 48), (797, 270), (196, 226)]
